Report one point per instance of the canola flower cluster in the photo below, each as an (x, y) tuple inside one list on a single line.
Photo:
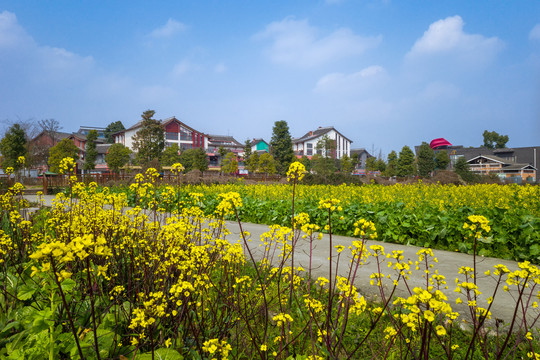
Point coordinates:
[(177, 280), (67, 165), (296, 171)]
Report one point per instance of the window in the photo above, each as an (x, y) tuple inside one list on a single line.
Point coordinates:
[(185, 134), (171, 136), (309, 149)]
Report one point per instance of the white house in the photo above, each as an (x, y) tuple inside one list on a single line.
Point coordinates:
[(176, 132), (307, 144)]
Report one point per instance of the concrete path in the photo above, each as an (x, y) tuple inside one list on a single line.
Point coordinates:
[(448, 265)]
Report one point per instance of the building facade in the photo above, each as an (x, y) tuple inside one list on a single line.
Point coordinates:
[(307, 144), (176, 132)]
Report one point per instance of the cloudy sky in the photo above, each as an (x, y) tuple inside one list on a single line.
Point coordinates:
[(384, 73)]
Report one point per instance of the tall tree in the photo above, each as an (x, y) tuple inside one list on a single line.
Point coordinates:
[(111, 129), (462, 168), (222, 153), (306, 162), (171, 155), (51, 127), (65, 148), (229, 164), (149, 141), (406, 165), (247, 150), (324, 163), (12, 146), (326, 147), (200, 159), (346, 164), (442, 160), (253, 162), (493, 140), (281, 146), (195, 158), (381, 165), (355, 157), (117, 156), (91, 150), (267, 164), (392, 164), (371, 163), (426, 160)]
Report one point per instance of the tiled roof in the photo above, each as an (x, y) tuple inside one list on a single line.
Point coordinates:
[(317, 133)]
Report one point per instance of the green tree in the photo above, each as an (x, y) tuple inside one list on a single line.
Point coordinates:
[(65, 148), (381, 165), (442, 160), (306, 162), (117, 157), (406, 165), (149, 141), (493, 140), (171, 155), (323, 166), (195, 158), (267, 164), (326, 147), (230, 164), (222, 153), (426, 160), (391, 164), (355, 157), (200, 159), (462, 168), (281, 146), (324, 163), (346, 164), (91, 151), (247, 150), (253, 162), (111, 129), (371, 163), (12, 146)]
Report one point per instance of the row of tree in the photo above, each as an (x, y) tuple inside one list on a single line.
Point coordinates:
[(149, 146)]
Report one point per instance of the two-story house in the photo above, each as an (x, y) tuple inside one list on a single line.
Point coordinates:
[(307, 144)]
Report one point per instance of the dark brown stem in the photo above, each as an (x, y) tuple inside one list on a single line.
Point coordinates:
[(72, 325)]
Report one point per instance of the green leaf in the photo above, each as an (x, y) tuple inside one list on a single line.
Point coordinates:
[(10, 326), (487, 240), (161, 354), (535, 249), (68, 284), (25, 292)]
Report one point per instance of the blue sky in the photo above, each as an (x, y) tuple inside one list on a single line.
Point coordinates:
[(384, 73)]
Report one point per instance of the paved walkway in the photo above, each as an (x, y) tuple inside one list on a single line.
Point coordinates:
[(448, 265)]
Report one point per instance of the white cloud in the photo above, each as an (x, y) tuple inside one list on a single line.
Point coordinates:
[(24, 59), (439, 90), (295, 42), (169, 29), (11, 33), (185, 66), (446, 37), (535, 33), (220, 68), (348, 82)]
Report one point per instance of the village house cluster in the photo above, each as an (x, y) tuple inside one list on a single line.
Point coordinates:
[(186, 137), (511, 164)]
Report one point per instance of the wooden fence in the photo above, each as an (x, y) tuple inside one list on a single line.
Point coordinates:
[(60, 181)]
